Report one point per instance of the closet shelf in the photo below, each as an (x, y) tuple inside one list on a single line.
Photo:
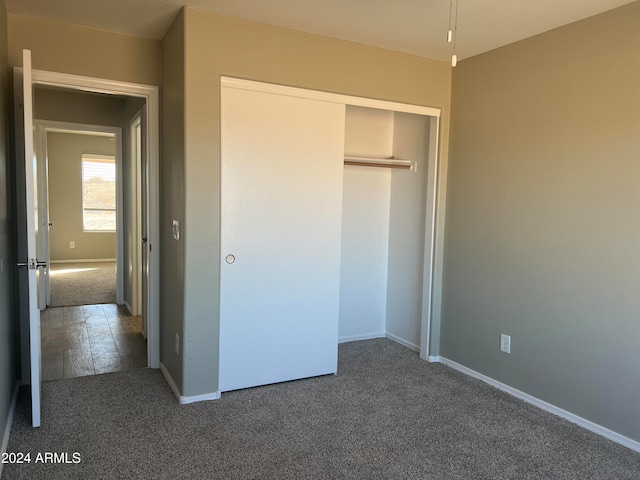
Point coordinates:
[(390, 162)]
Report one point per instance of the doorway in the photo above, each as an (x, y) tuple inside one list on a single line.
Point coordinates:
[(84, 330), (80, 205), (115, 313)]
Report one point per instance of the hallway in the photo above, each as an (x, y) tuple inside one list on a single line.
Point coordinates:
[(89, 340)]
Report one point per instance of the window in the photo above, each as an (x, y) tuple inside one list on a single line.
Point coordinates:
[(98, 193)]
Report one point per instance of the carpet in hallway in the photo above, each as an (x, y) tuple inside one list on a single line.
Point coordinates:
[(82, 283)]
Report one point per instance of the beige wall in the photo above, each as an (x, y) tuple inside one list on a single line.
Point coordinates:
[(542, 233), (78, 107), (65, 48), (217, 45), (173, 188), (65, 198)]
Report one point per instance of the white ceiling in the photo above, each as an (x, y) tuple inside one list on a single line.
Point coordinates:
[(412, 26)]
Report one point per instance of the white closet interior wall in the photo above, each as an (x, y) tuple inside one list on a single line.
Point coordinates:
[(383, 227), (365, 225)]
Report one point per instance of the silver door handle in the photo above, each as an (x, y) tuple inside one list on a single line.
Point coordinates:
[(32, 264)]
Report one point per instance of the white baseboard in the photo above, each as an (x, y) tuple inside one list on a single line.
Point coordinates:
[(583, 422), (7, 430), (182, 399), (433, 358), (402, 341), (200, 398), (364, 336), (129, 307), (84, 260), (169, 379)]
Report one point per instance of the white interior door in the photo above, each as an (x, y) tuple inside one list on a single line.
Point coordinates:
[(142, 201), (28, 205), (282, 168)]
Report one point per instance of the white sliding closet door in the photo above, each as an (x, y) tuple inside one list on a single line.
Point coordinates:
[(282, 167)]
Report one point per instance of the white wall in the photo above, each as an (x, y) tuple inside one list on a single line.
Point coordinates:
[(406, 229), (365, 244), (365, 225)]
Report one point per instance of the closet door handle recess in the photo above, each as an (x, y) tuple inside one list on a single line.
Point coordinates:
[(230, 259)]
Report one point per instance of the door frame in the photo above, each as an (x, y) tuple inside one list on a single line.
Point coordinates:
[(152, 97), (42, 127), (135, 211)]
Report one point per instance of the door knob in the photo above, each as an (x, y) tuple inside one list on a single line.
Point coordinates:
[(230, 259), (144, 239)]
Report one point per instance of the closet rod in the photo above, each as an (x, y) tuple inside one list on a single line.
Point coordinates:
[(378, 162)]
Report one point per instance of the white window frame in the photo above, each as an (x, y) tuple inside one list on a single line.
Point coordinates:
[(89, 157)]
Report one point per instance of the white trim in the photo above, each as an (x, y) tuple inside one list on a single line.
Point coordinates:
[(85, 260), (182, 399), (328, 97), (76, 132), (7, 429), (583, 422), (96, 156), (129, 307), (40, 147), (433, 358), (167, 376), (364, 336), (135, 212), (430, 253), (200, 398), (152, 96), (73, 128), (402, 341)]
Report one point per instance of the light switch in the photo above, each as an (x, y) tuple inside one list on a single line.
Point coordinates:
[(176, 230)]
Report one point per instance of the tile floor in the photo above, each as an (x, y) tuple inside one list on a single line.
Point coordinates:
[(90, 339)]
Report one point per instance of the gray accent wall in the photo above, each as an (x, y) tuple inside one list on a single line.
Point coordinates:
[(543, 237), (9, 360)]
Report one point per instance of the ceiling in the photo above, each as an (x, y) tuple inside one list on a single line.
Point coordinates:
[(413, 26)]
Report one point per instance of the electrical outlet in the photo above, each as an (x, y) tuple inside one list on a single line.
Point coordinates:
[(505, 343), (72, 244), (177, 344)]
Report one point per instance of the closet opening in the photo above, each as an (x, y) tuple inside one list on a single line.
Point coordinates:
[(383, 225)]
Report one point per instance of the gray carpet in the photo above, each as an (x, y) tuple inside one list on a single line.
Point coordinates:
[(386, 415), (82, 284)]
